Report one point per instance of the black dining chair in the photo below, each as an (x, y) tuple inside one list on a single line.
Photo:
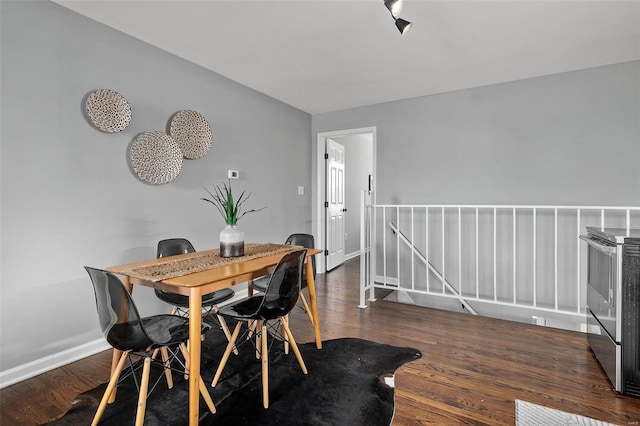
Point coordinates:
[(210, 301), (137, 337), (303, 240), (267, 313)]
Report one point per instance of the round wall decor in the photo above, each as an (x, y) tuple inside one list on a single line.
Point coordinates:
[(108, 111), (156, 157), (192, 133)]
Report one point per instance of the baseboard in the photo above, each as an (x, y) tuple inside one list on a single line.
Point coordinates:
[(539, 316), (389, 280), (240, 294), (352, 255), (50, 362)]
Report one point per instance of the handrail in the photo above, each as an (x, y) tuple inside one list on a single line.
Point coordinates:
[(432, 269)]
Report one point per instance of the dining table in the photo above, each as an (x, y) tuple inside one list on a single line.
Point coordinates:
[(199, 273)]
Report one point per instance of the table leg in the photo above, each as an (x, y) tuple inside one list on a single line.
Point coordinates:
[(126, 281), (314, 305), (195, 327)]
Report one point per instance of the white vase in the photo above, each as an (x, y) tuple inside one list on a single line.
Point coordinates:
[(231, 241)]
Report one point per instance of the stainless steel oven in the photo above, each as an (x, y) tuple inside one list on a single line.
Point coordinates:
[(613, 304)]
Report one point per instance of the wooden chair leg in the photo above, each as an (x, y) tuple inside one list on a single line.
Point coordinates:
[(225, 329), (227, 352), (205, 395), (203, 389), (265, 366), (253, 325), (286, 341), (144, 388), (115, 357), (307, 309), (186, 363), (252, 328), (110, 387), (258, 338), (167, 366), (184, 348), (294, 346)]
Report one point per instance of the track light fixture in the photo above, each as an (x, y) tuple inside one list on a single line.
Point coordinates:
[(395, 7), (403, 26)]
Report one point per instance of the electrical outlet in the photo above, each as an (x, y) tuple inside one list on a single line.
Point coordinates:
[(233, 174), (539, 320)]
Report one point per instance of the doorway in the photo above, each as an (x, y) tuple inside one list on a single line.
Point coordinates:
[(337, 208)]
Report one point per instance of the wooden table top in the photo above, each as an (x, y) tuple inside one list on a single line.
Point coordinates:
[(228, 272)]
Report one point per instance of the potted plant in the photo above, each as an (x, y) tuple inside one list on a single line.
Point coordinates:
[(231, 237)]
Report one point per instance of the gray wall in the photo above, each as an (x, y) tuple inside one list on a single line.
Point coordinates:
[(565, 139), (568, 139), (68, 196)]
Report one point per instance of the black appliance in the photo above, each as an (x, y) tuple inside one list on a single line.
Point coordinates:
[(613, 304)]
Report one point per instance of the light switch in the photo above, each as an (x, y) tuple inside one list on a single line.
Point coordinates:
[(301, 190)]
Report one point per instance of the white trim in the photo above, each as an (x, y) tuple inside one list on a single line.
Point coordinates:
[(387, 282), (509, 207), (319, 225), (352, 255), (50, 362), (240, 294)]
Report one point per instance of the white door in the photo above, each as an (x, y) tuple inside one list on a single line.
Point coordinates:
[(335, 204)]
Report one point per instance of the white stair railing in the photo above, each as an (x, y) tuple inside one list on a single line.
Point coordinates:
[(367, 238), (516, 256)]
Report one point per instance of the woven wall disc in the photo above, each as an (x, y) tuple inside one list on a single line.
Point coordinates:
[(108, 111), (156, 157), (192, 133)]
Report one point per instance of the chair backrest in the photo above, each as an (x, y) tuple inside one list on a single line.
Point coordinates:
[(118, 316), (307, 241), (174, 246), (284, 286)]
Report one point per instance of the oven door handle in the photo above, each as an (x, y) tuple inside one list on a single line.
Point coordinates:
[(611, 250)]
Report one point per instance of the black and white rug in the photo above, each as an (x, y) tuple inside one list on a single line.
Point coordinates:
[(345, 386)]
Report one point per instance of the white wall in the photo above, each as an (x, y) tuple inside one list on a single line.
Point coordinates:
[(68, 195), (358, 167)]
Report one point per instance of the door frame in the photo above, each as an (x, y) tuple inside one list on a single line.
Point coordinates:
[(319, 221)]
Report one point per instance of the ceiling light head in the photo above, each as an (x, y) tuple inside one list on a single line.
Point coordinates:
[(403, 26), (394, 6)]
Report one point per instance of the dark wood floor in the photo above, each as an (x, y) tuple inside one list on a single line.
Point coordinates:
[(471, 372)]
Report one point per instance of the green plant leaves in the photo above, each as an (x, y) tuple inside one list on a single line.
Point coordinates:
[(222, 200)]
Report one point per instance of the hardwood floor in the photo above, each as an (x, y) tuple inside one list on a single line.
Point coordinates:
[(471, 372)]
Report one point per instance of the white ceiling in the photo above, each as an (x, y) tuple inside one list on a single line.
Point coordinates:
[(324, 55)]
